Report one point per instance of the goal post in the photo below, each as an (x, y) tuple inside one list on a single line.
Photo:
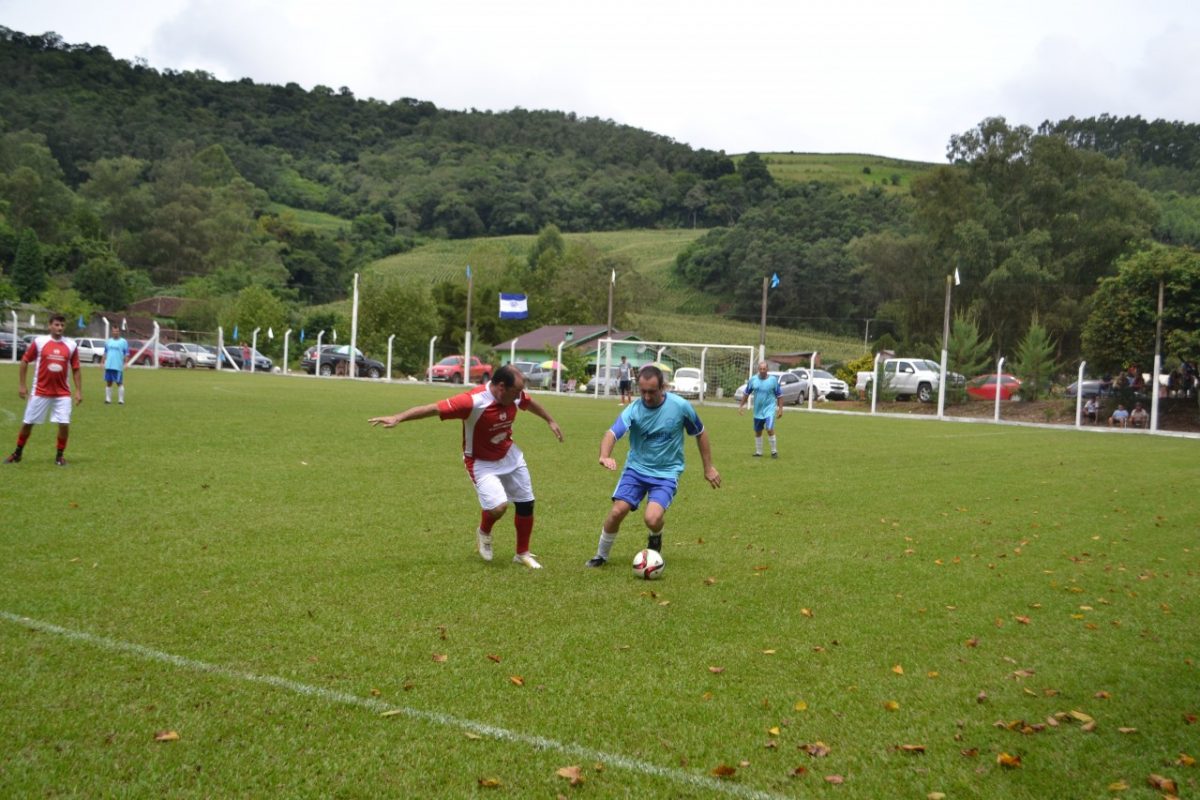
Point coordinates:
[(719, 368)]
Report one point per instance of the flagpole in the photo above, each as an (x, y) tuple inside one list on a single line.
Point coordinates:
[(353, 371), (762, 327), (945, 351), (467, 337), (611, 283)]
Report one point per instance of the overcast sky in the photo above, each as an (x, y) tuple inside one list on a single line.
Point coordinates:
[(883, 77)]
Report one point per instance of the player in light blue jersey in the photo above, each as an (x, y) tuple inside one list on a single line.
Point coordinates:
[(768, 406), (655, 423), (116, 354)]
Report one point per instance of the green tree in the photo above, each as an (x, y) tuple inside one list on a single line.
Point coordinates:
[(102, 280), (1034, 363), (255, 307), (29, 270), (404, 310), (1121, 327), (967, 353)]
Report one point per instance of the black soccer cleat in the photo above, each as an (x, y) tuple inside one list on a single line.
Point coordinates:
[(596, 561), (654, 542), (59, 461), (13, 458)]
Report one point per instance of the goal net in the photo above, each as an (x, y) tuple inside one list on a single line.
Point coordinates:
[(695, 370)]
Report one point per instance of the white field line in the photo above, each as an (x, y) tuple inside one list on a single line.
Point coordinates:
[(10, 416), (693, 780)]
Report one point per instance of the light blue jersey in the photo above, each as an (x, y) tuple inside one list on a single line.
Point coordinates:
[(656, 435), (765, 390), (116, 350)]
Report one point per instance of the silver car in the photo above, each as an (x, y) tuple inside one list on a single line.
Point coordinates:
[(794, 389), (194, 355), (91, 349), (827, 385)]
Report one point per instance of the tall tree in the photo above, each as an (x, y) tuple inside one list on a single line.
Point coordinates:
[(1034, 362), (29, 270)]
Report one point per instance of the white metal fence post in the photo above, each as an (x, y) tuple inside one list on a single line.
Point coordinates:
[(999, 385), (286, 336), (15, 337), (391, 339), (429, 371), (1079, 396), (558, 367), (254, 348), (812, 379), (876, 379), (317, 368), (155, 343)]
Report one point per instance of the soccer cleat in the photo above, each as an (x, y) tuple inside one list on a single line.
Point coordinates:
[(596, 561), (774, 455), (108, 402), (483, 544), (59, 461), (758, 455), (13, 458), (528, 559), (654, 542)]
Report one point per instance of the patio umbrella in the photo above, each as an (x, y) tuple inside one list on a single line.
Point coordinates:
[(551, 364)]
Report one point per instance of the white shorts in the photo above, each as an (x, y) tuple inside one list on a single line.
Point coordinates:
[(59, 409), (497, 482)]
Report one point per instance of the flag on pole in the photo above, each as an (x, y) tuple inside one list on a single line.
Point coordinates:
[(513, 306), (80, 322), (468, 272), (335, 335), (32, 321), (957, 281), (614, 278), (302, 336), (124, 324), (235, 333), (774, 279), (271, 334)]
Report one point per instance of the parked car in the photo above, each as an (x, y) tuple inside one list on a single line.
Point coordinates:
[(689, 382), (1091, 388), (536, 376), (6, 347), (827, 385), (233, 355), (195, 355), (794, 388), (336, 361), (90, 349), (450, 369), (166, 358), (983, 387), (911, 376)]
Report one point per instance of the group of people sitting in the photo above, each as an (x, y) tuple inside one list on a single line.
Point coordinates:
[(1121, 418)]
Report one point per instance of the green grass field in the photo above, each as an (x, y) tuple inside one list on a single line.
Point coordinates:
[(243, 561), (844, 169)]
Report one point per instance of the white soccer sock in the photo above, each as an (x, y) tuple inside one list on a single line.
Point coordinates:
[(773, 450), (108, 394), (121, 393), (606, 543), (758, 445)]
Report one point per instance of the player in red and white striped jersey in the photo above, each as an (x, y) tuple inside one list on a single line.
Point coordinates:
[(53, 356), (494, 462)]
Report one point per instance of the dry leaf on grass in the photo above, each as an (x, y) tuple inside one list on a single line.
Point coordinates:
[(911, 748), (800, 706), (166, 736), (516, 680), (716, 670), (489, 783), (899, 670), (724, 771), (836, 780), (892, 705), (573, 774), (1008, 761), (815, 749), (1162, 784), (495, 658), (440, 658)]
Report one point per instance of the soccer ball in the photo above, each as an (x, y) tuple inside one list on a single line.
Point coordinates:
[(648, 564)]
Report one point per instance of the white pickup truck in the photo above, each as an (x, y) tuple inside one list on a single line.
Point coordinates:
[(906, 377)]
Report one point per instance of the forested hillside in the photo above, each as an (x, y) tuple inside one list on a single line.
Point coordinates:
[(119, 180)]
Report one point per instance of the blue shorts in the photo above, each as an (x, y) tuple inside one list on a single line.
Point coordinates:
[(768, 423), (634, 486), (116, 376)]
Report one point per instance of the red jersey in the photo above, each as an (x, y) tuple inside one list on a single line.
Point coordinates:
[(53, 361), (487, 425)]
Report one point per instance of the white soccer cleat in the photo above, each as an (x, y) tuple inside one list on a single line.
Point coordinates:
[(483, 544), (528, 559)]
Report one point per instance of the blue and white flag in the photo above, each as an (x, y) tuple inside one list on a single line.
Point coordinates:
[(80, 322), (513, 306), (468, 272), (235, 333), (302, 336), (774, 279)]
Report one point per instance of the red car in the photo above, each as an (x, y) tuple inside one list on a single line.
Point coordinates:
[(166, 358), (983, 387), (450, 369)]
